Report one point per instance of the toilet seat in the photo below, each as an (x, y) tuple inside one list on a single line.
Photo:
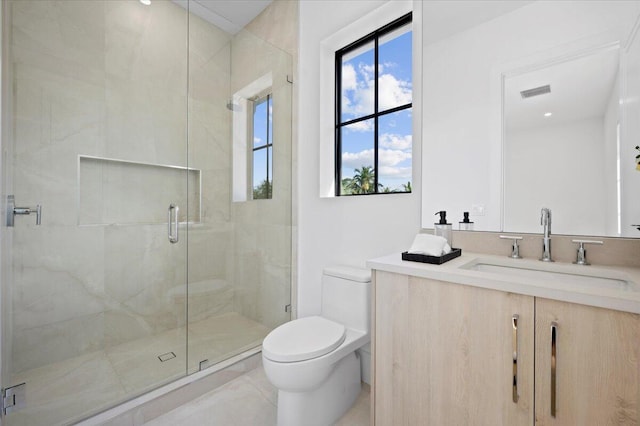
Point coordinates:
[(303, 339)]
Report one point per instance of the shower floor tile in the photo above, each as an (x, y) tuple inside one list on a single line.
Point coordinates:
[(137, 364), (67, 388), (217, 338), (66, 391)]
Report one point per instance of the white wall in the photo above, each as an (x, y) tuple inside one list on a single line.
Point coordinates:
[(347, 230), (535, 162)]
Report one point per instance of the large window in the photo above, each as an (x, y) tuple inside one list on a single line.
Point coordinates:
[(373, 125), (262, 148)]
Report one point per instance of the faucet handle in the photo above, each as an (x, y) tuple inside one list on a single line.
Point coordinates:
[(515, 249), (581, 257)]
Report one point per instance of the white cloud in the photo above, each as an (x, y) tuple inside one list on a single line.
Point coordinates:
[(359, 101), (384, 65), (349, 80), (395, 172), (387, 158), (367, 71), (392, 157), (346, 104), (393, 92), (390, 174), (394, 141), (363, 99), (257, 140), (358, 159), (361, 126)]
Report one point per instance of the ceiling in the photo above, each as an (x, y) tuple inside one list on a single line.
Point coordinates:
[(580, 88), (228, 15), (444, 18), (441, 18)]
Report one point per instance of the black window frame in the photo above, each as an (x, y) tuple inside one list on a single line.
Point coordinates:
[(268, 146), (374, 36)]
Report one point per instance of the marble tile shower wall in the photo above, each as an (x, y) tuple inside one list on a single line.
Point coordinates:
[(262, 232), (210, 241), (108, 79)]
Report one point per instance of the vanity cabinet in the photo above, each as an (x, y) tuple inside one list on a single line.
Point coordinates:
[(597, 365), (443, 355)]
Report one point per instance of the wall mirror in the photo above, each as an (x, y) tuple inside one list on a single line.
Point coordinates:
[(520, 116)]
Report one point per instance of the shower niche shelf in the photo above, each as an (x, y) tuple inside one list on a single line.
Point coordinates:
[(121, 192)]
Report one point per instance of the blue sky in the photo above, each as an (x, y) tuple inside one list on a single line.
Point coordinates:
[(395, 83)]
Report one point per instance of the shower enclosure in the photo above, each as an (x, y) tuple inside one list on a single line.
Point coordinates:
[(135, 249)]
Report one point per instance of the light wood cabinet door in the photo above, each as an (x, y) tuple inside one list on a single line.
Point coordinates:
[(389, 345), (597, 365), (444, 354)]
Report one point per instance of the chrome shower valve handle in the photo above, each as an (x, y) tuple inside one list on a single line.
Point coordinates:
[(13, 211)]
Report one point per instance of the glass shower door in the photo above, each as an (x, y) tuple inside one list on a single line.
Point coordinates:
[(95, 131), (240, 246)]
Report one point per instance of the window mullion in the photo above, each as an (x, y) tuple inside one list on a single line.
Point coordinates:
[(338, 128), (375, 111), (268, 181)]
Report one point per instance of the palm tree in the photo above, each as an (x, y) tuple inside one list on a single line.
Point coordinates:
[(362, 182), (406, 187), (263, 191), (346, 186)]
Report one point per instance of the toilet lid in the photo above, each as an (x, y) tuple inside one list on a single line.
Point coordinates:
[(303, 339)]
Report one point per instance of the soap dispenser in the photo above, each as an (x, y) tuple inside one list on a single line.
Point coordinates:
[(442, 228), (466, 224)]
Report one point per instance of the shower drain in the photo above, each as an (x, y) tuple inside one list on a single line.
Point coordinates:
[(166, 357)]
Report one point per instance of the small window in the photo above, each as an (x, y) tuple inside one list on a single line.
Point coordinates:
[(262, 168), (373, 130)]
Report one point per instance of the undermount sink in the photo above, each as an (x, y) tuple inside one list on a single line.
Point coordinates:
[(553, 272)]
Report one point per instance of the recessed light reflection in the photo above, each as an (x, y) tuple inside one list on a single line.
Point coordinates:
[(548, 114), (146, 2)]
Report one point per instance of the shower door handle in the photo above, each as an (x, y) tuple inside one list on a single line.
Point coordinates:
[(173, 223)]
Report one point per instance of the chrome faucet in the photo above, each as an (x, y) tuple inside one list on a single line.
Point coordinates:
[(545, 221)]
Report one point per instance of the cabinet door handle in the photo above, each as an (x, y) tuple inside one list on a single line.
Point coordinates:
[(173, 217), (514, 345), (554, 335)]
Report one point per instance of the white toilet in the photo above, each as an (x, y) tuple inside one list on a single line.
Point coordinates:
[(312, 361)]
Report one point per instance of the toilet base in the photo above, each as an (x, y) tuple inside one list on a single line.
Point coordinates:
[(324, 405)]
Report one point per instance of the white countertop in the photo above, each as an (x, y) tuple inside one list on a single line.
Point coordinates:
[(623, 297)]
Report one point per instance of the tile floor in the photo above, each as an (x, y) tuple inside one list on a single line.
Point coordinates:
[(69, 390), (249, 400)]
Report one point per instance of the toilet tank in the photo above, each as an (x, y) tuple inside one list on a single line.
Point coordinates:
[(346, 296)]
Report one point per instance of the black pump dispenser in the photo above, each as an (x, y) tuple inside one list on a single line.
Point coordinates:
[(443, 218), (466, 224), (442, 228)]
